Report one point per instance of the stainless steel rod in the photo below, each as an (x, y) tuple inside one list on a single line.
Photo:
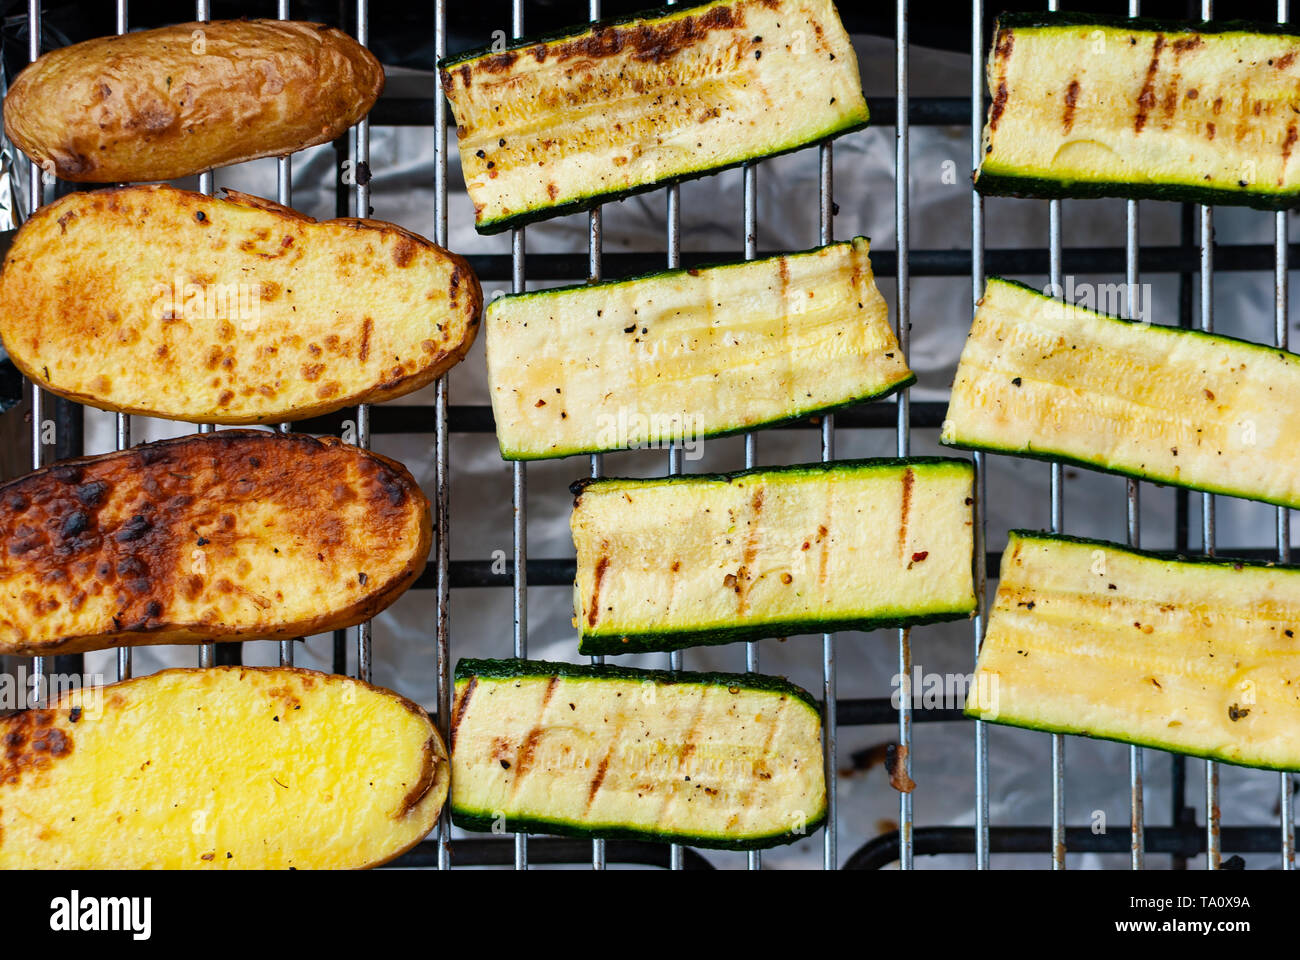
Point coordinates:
[(284, 195), (754, 861), (123, 420), (1280, 291), (1212, 850), (830, 848), (902, 168), (519, 485), (36, 197), (361, 174), (1058, 524), (442, 443), (977, 291)]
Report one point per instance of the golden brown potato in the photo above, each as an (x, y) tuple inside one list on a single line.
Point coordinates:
[(233, 535), (171, 102), (173, 304), (228, 768)]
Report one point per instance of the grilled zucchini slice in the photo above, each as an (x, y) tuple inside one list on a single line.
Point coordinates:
[(225, 768), (1098, 106), (731, 761), (1197, 656), (704, 559), (552, 125), (688, 354), (234, 535), (1041, 378), (169, 303), (167, 103)]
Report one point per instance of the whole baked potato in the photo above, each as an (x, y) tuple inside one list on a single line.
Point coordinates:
[(171, 102)]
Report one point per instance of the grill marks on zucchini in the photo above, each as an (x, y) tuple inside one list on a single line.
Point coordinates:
[(1089, 105), (1041, 378), (704, 559), (715, 760), (554, 125), (688, 354), (1196, 656)]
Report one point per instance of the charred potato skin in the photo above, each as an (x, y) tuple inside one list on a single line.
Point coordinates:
[(35, 741), (150, 106), (57, 294), (101, 551)]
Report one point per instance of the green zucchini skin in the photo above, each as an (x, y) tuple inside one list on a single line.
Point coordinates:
[(1120, 683), (848, 122), (1003, 182), (1090, 326), (781, 340), (477, 670), (939, 596)]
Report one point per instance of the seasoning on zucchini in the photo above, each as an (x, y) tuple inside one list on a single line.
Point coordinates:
[(1089, 106), (1198, 656), (688, 354), (225, 768), (551, 125), (711, 558), (731, 761), (1041, 378)]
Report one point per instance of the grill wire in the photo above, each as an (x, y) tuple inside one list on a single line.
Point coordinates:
[(905, 417)]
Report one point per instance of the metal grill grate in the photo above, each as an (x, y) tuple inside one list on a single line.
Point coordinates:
[(901, 414)]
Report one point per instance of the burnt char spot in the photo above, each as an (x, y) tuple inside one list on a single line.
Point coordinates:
[(908, 479), (999, 105), (644, 42), (527, 752), (462, 706), (1071, 101), (1288, 144), (403, 251), (1183, 44), (1147, 98), (367, 327), (593, 608), (116, 544), (1284, 61), (29, 741)]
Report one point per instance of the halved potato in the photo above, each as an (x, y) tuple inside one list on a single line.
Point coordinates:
[(232, 767), (234, 535), (173, 304), (167, 103)]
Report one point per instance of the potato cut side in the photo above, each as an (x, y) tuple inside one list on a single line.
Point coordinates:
[(1042, 378), (556, 124), (167, 103), (1086, 105), (172, 304), (688, 354), (1196, 656), (234, 535), (713, 760), (703, 559), (225, 768)]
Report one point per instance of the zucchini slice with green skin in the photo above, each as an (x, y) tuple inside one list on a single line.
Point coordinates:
[(1042, 378), (1198, 656), (712, 558), (1103, 106), (688, 354), (552, 125), (730, 761)]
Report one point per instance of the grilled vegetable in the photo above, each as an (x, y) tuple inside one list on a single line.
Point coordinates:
[(167, 103), (1041, 378), (703, 559), (1090, 106), (232, 767), (234, 535), (551, 125), (168, 303), (1197, 656), (688, 354), (731, 761)]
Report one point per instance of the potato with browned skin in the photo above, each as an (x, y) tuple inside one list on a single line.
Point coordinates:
[(234, 535), (226, 768), (175, 101), (169, 303)]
